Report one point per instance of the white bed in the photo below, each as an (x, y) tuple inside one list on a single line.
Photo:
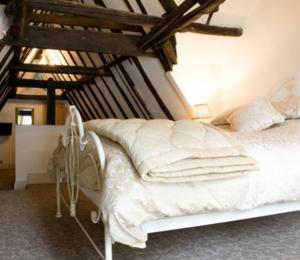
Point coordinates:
[(131, 208)]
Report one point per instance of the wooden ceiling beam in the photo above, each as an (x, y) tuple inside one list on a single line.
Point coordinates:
[(166, 23), (105, 14), (72, 20), (92, 22), (79, 40), (177, 20), (213, 30), (168, 5), (206, 7), (30, 83), (60, 69), (36, 97)]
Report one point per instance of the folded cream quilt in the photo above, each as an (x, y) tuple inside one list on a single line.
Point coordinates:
[(180, 151)]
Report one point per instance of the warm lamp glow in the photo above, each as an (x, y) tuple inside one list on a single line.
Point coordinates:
[(201, 111)]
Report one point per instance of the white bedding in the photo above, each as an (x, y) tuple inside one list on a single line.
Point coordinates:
[(128, 201), (176, 151)]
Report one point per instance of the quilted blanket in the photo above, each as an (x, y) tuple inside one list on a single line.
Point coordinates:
[(180, 151)]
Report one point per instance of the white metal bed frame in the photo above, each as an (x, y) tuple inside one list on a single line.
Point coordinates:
[(75, 140)]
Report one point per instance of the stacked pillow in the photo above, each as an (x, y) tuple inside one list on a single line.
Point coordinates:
[(255, 116), (263, 113), (287, 99)]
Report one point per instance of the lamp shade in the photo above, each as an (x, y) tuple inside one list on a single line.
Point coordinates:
[(201, 111)]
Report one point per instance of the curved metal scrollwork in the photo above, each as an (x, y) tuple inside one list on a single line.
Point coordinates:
[(75, 142)]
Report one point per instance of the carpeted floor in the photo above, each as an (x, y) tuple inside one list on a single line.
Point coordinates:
[(7, 179), (29, 230)]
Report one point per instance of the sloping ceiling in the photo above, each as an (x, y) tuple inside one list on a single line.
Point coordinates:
[(132, 87)]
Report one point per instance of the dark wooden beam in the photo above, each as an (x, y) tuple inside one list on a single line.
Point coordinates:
[(51, 102), (177, 20), (167, 23), (19, 18), (37, 97), (60, 69), (213, 30), (29, 83), (93, 22), (105, 14), (80, 21), (206, 8), (168, 5), (4, 2), (79, 40)]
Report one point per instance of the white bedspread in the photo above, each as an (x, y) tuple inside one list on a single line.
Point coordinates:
[(176, 151), (128, 201)]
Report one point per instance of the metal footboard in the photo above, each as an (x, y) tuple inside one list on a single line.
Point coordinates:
[(75, 141)]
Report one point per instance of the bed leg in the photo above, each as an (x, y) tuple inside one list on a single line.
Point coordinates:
[(58, 202), (108, 245)]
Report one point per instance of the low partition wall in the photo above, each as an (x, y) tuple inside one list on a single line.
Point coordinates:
[(34, 146)]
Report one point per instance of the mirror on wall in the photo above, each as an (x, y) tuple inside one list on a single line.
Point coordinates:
[(24, 116)]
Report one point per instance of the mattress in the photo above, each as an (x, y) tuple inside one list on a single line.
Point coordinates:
[(127, 201)]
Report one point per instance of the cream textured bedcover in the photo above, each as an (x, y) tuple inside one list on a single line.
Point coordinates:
[(128, 201), (176, 151)]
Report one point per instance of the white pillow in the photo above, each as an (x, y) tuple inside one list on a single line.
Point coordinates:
[(289, 89), (255, 116), (290, 108), (221, 119)]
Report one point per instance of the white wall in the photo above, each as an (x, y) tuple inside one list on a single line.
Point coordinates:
[(4, 22), (7, 114), (34, 146), (231, 71)]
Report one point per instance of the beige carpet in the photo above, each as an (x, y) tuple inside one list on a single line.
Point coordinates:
[(29, 230), (7, 179)]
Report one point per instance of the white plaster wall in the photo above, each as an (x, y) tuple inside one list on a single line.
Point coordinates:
[(226, 72), (4, 22), (7, 114), (34, 146)]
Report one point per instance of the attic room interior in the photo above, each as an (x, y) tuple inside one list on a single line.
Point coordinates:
[(136, 129)]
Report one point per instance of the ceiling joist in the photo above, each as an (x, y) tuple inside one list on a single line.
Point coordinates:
[(60, 69), (105, 14), (79, 40), (30, 83), (37, 97)]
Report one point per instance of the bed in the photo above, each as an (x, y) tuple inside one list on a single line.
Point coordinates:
[(131, 208)]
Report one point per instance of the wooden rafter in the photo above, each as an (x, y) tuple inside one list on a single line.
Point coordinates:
[(177, 20), (60, 69), (36, 97), (72, 20), (29, 83), (105, 14), (79, 40), (213, 30)]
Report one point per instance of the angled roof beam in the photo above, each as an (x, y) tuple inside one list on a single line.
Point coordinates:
[(79, 40), (105, 14), (177, 20), (29, 83), (168, 5), (213, 30), (60, 69), (207, 7)]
